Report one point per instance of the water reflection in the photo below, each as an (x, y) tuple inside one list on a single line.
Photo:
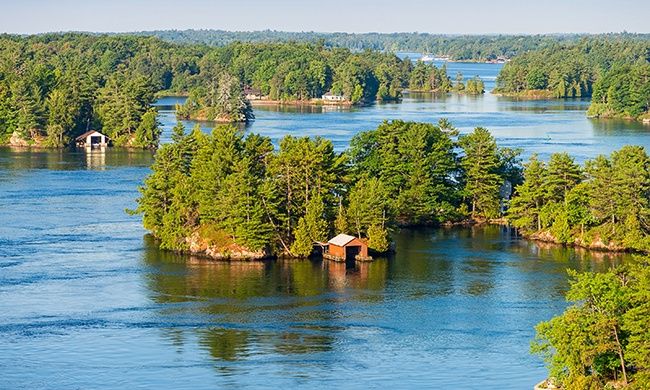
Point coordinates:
[(282, 306), (242, 310), (19, 159)]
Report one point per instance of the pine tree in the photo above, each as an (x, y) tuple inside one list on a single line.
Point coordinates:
[(378, 238), (562, 175), (341, 222), (481, 165), (526, 205)]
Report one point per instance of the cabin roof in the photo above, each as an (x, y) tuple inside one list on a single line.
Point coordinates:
[(251, 90), (87, 133), (341, 240)]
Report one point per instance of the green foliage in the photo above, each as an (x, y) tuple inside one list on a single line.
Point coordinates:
[(313, 227), (239, 192), (475, 86), (428, 78), (458, 47), (575, 69), (623, 91), (369, 206), (418, 165), (604, 335), (378, 238), (54, 87), (481, 164), (606, 202)]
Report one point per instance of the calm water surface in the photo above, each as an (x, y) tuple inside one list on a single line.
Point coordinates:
[(87, 301)]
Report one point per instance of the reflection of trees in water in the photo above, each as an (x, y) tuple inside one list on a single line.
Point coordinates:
[(612, 126), (72, 159), (281, 306)]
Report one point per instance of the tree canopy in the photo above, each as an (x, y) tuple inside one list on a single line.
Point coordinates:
[(603, 339), (235, 191)]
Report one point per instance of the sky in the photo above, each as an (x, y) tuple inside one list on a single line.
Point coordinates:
[(433, 16)]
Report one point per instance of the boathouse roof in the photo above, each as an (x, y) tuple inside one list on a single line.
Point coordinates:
[(341, 240), (87, 133)]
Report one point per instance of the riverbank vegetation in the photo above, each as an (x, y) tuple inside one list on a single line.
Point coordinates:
[(623, 92), (604, 204), (233, 196), (614, 72), (54, 87), (602, 340)]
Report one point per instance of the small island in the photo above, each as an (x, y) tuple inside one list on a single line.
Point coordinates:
[(228, 196), (614, 73)]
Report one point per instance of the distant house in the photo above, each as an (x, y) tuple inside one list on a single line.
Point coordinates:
[(332, 97), (92, 139), (344, 247), (252, 93)]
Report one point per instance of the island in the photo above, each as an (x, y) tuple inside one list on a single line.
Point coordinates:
[(230, 196), (613, 72)]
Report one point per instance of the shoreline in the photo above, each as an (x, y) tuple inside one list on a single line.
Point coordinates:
[(241, 255), (311, 103)]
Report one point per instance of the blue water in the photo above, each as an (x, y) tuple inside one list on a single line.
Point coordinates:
[(88, 301)]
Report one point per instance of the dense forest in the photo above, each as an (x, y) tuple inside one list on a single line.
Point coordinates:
[(614, 71), (457, 47), (231, 195), (604, 204), (54, 87), (601, 340)]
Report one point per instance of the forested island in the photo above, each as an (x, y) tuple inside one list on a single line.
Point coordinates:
[(231, 196), (54, 87), (614, 72)]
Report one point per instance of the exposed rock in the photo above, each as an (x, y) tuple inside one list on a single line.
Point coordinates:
[(17, 140), (597, 244), (200, 246)]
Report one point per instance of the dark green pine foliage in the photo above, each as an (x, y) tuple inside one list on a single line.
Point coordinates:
[(481, 165), (428, 78), (416, 162), (604, 204), (222, 101), (236, 193), (623, 91), (525, 207)]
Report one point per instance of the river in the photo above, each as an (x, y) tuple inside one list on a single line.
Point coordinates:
[(88, 301)]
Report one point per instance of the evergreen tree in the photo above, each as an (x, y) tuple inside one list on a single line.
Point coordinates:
[(562, 175), (526, 205), (481, 165)]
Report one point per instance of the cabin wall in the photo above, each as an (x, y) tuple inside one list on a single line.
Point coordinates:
[(364, 247), (338, 251)]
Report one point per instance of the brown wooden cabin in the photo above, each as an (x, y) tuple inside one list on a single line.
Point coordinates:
[(345, 247), (92, 139)]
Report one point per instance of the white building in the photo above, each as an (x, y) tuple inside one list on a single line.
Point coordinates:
[(333, 98), (92, 139)]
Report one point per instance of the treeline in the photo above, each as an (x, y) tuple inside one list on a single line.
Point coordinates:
[(457, 47), (623, 91), (572, 69), (601, 340), (235, 195), (603, 204), (429, 78), (54, 87), (302, 71)]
